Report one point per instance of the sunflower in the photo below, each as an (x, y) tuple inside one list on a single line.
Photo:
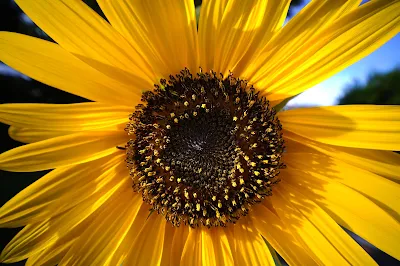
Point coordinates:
[(183, 155)]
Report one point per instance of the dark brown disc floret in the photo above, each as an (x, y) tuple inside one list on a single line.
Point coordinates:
[(204, 148)]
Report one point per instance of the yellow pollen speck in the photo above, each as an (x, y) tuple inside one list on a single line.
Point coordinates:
[(259, 181), (234, 184), (253, 164), (203, 105), (195, 195), (214, 198), (194, 113), (186, 194), (197, 207), (246, 158), (241, 170), (233, 203), (241, 180), (193, 97), (256, 173), (168, 127), (176, 120), (172, 114), (167, 168), (226, 197), (235, 118), (219, 204)]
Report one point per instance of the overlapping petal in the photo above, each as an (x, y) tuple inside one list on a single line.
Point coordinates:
[(148, 246), (100, 241), (66, 117), (163, 32), (68, 150), (49, 63), (231, 31), (348, 208), (358, 126), (384, 163), (38, 236), (316, 52), (80, 30), (61, 190)]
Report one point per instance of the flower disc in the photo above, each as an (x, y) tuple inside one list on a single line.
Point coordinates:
[(205, 149)]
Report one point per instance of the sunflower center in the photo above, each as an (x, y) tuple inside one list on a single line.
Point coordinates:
[(205, 149)]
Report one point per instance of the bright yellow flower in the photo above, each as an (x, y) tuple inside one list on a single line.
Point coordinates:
[(204, 150)]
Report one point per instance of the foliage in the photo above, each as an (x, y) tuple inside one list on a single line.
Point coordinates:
[(381, 88)]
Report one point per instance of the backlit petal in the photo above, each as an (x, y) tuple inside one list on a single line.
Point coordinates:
[(164, 32), (350, 209)]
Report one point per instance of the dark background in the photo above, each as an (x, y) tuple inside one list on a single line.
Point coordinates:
[(382, 88)]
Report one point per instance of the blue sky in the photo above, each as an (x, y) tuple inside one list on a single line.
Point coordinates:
[(328, 92)]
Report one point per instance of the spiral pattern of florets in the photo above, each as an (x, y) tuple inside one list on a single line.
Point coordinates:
[(204, 148)]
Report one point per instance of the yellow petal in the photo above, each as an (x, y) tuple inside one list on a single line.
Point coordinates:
[(62, 189), (169, 44), (358, 126), (385, 163), (65, 117), (313, 18), (350, 209), (199, 249), (125, 246), (36, 237), (222, 250), (250, 248), (170, 231), (312, 240), (29, 135), (381, 190), (60, 151), (245, 25), (340, 240), (178, 244), (209, 24), (230, 33), (100, 240), (315, 55), (49, 63), (279, 236), (51, 255), (80, 30), (148, 246)]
